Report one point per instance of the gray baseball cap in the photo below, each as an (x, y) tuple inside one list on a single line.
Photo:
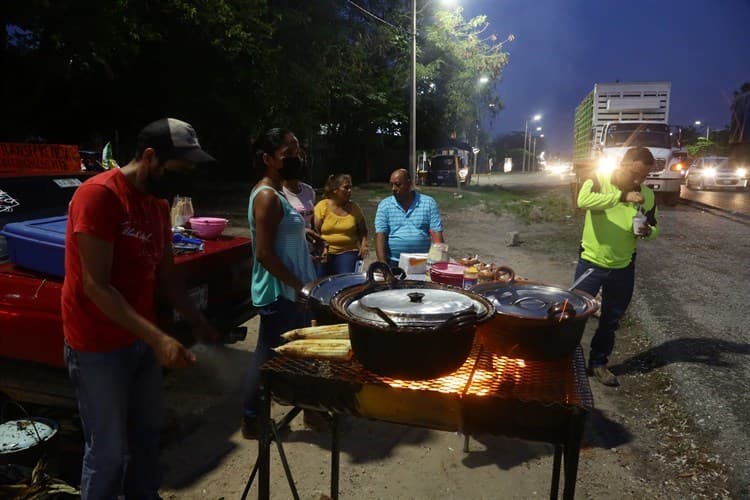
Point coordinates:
[(173, 139)]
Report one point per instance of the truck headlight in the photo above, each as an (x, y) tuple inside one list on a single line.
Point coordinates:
[(742, 172), (606, 164), (709, 172)]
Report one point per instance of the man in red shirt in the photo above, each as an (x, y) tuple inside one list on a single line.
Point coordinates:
[(117, 253)]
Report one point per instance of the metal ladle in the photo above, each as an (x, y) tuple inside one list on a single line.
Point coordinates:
[(580, 279)]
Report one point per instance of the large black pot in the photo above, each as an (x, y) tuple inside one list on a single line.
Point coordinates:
[(534, 321), (410, 329)]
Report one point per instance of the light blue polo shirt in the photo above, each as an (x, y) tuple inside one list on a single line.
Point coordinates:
[(408, 230)]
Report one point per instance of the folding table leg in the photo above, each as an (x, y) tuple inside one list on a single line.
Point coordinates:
[(264, 438), (335, 457), (553, 491), (571, 453)]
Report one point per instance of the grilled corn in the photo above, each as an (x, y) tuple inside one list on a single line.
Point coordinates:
[(333, 349), (340, 331)]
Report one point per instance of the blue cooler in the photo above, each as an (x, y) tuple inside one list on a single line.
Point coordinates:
[(38, 244)]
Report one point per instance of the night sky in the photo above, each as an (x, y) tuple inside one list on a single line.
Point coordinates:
[(563, 47)]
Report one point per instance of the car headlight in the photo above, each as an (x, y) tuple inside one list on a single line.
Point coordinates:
[(709, 172), (606, 164), (742, 172)]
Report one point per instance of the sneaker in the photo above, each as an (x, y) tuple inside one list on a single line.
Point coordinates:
[(604, 376), (249, 427), (319, 421)]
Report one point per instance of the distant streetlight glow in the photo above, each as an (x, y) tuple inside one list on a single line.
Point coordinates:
[(527, 139)]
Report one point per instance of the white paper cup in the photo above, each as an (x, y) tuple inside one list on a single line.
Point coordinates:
[(639, 222)]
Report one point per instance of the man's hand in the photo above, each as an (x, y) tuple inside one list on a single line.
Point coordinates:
[(644, 230), (634, 197), (171, 354), (364, 251)]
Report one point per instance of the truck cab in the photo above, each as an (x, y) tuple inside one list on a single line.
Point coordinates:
[(31, 334), (667, 172)]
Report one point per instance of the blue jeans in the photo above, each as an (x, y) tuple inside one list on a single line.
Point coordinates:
[(276, 318), (119, 400), (338, 263), (617, 290)]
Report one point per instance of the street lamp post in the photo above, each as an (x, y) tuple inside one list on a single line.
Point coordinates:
[(527, 140), (533, 154), (708, 129)]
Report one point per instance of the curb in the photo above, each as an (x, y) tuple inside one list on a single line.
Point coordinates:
[(733, 216)]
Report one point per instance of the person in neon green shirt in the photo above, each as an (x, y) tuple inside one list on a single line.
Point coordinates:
[(608, 246)]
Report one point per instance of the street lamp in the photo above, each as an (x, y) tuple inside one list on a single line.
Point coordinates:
[(541, 136), (708, 129), (527, 139)]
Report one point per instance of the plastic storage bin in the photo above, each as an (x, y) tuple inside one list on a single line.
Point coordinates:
[(38, 244)]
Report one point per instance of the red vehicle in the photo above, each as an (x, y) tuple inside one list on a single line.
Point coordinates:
[(31, 337)]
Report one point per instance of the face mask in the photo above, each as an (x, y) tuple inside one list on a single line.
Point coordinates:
[(169, 185), (291, 168)]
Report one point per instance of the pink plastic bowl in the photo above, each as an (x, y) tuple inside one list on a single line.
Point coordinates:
[(208, 228)]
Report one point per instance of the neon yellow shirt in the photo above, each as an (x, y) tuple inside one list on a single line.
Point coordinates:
[(608, 239), (339, 231)]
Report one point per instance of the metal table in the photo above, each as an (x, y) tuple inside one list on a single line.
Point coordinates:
[(490, 394)]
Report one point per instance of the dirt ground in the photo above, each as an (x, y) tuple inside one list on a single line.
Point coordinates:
[(636, 444)]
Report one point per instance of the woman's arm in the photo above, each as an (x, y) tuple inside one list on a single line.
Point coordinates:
[(267, 214)]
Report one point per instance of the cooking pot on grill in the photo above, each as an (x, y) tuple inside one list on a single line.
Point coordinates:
[(534, 320), (410, 329), (318, 294)]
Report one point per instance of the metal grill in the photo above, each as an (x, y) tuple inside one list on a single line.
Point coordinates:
[(484, 374)]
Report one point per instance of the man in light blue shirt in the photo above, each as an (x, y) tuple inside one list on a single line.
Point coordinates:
[(405, 222)]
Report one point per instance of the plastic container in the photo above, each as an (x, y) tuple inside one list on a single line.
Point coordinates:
[(38, 244), (447, 273), (208, 228), (182, 210)]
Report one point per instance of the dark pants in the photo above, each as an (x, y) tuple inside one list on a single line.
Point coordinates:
[(119, 400), (617, 290), (338, 263), (276, 318)]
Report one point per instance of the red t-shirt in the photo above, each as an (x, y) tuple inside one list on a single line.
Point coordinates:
[(137, 224)]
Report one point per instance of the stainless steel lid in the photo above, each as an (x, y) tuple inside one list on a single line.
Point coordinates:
[(19, 435), (324, 289), (413, 306), (531, 300)]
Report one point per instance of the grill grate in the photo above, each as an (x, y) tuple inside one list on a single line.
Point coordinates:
[(484, 374)]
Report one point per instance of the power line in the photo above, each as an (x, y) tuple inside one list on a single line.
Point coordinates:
[(372, 15)]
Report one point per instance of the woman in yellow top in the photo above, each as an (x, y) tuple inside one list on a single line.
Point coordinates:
[(341, 224)]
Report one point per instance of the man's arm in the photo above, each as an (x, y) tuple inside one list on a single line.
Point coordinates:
[(436, 223), (381, 247), (591, 200), (96, 266)]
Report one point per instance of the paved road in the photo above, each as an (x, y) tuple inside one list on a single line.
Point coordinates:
[(731, 201), (692, 290)]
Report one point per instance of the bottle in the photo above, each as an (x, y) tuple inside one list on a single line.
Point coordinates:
[(182, 210), (471, 277)]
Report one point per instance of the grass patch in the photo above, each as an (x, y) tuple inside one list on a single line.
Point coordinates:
[(541, 205)]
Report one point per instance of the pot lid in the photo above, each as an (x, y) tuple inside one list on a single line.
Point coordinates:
[(19, 435), (413, 306), (531, 300), (324, 289)]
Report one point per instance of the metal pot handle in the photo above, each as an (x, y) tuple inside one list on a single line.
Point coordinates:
[(384, 268), (561, 311), (503, 271)]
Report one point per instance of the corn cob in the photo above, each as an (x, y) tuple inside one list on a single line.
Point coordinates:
[(334, 349), (340, 331)]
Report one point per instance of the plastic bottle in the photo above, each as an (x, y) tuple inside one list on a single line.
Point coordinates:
[(471, 277)]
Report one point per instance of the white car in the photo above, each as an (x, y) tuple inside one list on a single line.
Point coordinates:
[(715, 172)]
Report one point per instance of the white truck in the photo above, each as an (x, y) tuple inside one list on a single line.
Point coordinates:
[(616, 116)]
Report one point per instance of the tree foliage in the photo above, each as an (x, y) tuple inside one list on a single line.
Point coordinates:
[(86, 72)]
